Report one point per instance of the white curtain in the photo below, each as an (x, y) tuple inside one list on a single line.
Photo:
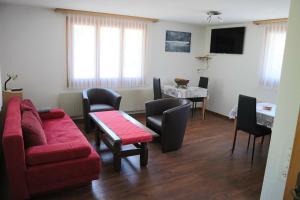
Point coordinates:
[(275, 34), (105, 51)]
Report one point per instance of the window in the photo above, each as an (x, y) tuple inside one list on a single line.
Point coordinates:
[(105, 52), (84, 51), (273, 55), (110, 46), (133, 50)]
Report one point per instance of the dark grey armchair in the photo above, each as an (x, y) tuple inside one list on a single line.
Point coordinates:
[(168, 117), (96, 100)]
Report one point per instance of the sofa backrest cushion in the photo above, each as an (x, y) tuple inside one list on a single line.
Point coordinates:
[(26, 105), (33, 132)]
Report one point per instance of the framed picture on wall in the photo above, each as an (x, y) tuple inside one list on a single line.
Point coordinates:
[(178, 41)]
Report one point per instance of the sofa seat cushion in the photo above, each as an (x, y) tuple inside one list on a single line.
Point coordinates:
[(56, 153), (62, 130), (100, 107), (65, 174), (33, 132), (155, 122)]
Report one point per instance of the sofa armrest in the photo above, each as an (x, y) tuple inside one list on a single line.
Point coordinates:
[(14, 151), (56, 152), (53, 113)]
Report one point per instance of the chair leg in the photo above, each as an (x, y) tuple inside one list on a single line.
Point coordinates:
[(262, 140), (87, 125), (234, 140), (193, 109), (253, 150), (249, 138)]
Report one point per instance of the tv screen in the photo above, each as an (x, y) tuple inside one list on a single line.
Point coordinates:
[(227, 40)]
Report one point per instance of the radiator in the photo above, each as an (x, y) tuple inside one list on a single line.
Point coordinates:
[(71, 102), (133, 100)]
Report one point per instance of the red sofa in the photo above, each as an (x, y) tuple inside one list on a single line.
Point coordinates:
[(66, 160)]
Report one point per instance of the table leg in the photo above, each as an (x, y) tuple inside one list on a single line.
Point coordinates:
[(144, 154), (97, 137), (203, 107), (117, 156)]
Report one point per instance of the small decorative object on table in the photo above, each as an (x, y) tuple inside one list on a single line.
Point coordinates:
[(7, 94), (13, 77), (267, 108), (181, 83)]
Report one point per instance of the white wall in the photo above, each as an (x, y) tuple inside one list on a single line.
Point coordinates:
[(32, 44), (232, 74), (288, 102), (169, 65)]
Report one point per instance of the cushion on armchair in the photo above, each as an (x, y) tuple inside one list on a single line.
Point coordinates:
[(53, 113), (33, 132), (155, 122), (100, 107), (56, 152)]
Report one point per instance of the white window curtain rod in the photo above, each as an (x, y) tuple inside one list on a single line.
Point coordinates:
[(81, 12), (270, 21)]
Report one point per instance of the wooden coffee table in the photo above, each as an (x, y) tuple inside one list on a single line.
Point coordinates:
[(114, 142)]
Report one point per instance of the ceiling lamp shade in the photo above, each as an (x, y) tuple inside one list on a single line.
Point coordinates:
[(213, 16)]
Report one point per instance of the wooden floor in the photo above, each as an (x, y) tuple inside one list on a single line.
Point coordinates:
[(202, 169)]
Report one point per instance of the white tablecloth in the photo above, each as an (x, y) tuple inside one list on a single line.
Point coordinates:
[(189, 92), (263, 117)]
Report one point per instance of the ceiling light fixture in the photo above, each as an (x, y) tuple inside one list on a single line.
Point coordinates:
[(214, 16)]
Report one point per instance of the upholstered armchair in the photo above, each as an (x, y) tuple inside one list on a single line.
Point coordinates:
[(168, 117), (97, 100)]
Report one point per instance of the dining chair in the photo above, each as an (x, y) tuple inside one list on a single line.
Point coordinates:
[(246, 121), (157, 88), (203, 83)]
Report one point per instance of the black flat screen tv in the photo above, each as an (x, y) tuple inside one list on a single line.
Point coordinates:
[(227, 40)]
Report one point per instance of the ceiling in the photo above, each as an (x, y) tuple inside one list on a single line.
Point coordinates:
[(187, 11)]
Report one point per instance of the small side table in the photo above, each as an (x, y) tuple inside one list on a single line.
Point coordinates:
[(7, 95)]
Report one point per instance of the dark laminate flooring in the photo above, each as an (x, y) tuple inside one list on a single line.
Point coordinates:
[(202, 169)]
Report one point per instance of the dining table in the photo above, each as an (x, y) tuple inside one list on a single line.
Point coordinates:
[(188, 92), (265, 113)]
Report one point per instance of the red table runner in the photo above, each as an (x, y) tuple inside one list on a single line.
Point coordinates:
[(128, 132)]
